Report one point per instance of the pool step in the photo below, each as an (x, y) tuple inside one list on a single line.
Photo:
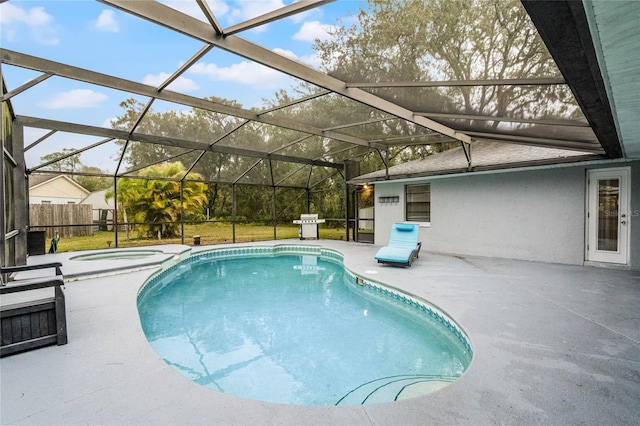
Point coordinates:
[(393, 388)]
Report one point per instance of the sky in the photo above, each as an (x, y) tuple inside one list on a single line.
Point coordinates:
[(95, 36)]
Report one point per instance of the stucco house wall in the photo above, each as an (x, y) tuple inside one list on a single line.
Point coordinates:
[(536, 215), (97, 200)]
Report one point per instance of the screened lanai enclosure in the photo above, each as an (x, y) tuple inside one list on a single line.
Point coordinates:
[(204, 117)]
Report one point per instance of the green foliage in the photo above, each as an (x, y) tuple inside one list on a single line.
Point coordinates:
[(393, 40), (153, 200), (210, 233), (253, 178), (62, 161), (90, 179), (417, 40)]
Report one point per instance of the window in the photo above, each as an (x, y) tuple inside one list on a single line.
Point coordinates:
[(418, 199)]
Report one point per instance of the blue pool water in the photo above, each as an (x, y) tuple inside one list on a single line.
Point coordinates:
[(296, 329)]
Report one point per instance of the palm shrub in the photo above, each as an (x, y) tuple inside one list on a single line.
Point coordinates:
[(152, 200)]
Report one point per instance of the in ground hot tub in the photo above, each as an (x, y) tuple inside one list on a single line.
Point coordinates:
[(116, 255)]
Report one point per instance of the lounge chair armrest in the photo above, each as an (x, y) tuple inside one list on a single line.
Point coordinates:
[(12, 269)]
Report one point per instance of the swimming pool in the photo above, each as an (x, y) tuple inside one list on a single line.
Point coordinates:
[(290, 324)]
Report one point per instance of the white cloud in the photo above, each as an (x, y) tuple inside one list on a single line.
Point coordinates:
[(311, 60), (107, 22), (257, 76), (79, 98), (310, 31), (181, 84), (251, 73), (288, 53), (219, 8), (39, 22), (303, 16), (33, 17), (108, 123), (251, 9)]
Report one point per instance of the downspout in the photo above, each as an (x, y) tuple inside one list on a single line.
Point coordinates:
[(346, 202), (274, 203)]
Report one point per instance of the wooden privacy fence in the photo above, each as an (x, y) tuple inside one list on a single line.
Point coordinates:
[(69, 220)]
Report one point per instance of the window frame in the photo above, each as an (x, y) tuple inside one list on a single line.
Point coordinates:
[(410, 206)]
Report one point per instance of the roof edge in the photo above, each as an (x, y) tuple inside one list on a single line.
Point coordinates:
[(58, 176), (500, 168), (564, 28)]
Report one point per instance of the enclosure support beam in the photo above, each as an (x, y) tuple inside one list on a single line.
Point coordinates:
[(233, 212), (273, 213), (593, 147), (25, 86), (40, 139), (385, 160), (283, 12), (346, 203), (466, 148), (195, 58), (472, 117), (79, 74), (309, 177), (43, 123), (210, 16), (163, 15), (115, 210), (544, 81), (72, 153), (273, 195), (181, 213)]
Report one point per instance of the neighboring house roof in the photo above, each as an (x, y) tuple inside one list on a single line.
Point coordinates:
[(38, 181), (35, 180), (485, 156)]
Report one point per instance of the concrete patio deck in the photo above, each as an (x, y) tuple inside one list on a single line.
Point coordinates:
[(553, 344)]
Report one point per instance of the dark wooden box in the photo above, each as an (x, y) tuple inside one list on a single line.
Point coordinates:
[(32, 323)]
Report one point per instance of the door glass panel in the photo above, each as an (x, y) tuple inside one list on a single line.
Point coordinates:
[(608, 200), (366, 201)]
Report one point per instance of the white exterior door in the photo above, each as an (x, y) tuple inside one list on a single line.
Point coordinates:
[(608, 215)]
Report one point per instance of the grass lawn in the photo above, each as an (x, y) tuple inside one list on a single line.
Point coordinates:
[(210, 233)]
